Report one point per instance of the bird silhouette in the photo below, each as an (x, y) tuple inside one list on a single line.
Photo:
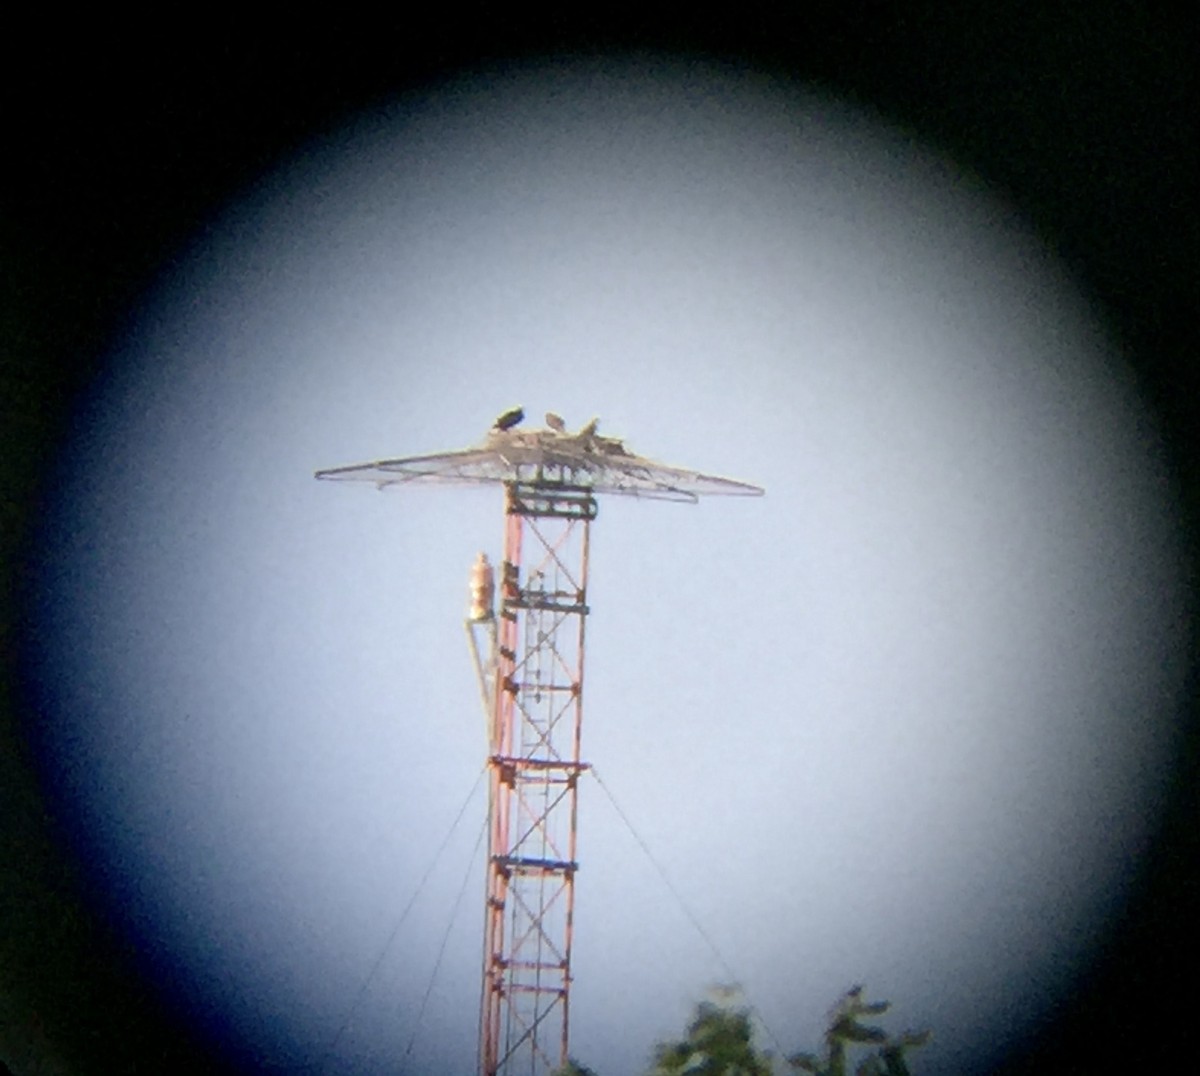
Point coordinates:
[(509, 419)]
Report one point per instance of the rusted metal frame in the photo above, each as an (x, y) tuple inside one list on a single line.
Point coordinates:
[(518, 883), (532, 790), (537, 986), (535, 921), (553, 717), (539, 817), (507, 708), (519, 687), (515, 988), (528, 1035), (572, 829), (567, 671), (561, 873), (536, 866), (544, 736), (531, 717), (540, 598), (554, 992), (580, 609), (547, 638), (540, 763), (552, 548), (541, 505), (539, 821), (576, 676), (569, 522), (535, 932), (516, 788), (538, 1002), (551, 689), (531, 1006), (528, 988), (530, 883), (538, 829), (532, 935), (552, 499), (543, 483), (547, 646), (499, 803), (576, 608)]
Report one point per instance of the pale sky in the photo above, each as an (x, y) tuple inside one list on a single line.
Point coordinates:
[(902, 721)]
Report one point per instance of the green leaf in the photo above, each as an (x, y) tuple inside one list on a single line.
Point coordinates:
[(848, 1030), (870, 1066), (574, 1068)]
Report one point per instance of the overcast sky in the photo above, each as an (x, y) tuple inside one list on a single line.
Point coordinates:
[(902, 721)]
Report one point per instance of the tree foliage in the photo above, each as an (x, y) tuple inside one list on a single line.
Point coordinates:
[(574, 1068), (718, 1043), (846, 1031)]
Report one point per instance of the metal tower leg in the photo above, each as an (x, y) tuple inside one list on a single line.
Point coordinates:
[(534, 762)]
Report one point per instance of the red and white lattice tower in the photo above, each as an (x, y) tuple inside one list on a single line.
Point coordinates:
[(527, 629)]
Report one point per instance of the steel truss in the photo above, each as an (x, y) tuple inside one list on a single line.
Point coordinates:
[(530, 668), (534, 680)]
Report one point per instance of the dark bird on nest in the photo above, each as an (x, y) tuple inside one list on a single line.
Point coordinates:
[(555, 422), (509, 419)]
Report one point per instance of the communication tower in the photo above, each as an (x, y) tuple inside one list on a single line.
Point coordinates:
[(527, 641)]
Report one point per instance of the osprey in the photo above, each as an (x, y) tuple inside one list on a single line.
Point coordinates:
[(509, 419)]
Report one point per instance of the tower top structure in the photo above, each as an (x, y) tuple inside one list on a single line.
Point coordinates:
[(550, 457), (529, 654)]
